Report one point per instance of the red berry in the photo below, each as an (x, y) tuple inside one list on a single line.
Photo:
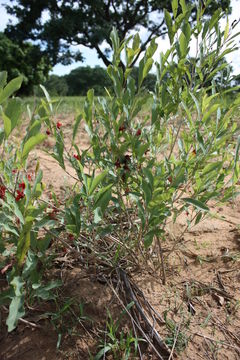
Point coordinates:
[(29, 177), (48, 132), (22, 186), (122, 128), (20, 195), (117, 164), (194, 152), (14, 171), (127, 158), (77, 157), (170, 179), (53, 214), (59, 125), (2, 191), (138, 133)]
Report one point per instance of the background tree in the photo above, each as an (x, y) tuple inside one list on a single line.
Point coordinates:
[(83, 78), (26, 60), (56, 85), (88, 23)]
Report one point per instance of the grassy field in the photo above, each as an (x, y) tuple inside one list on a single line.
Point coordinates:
[(65, 105), (68, 104)]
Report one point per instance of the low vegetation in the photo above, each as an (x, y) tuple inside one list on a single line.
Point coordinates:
[(140, 172)]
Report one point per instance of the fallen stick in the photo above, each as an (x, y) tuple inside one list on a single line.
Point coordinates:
[(131, 297)]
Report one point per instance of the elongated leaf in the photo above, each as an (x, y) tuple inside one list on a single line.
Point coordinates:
[(10, 88), (3, 79), (16, 309), (31, 143), (23, 243), (7, 125), (183, 44), (14, 111), (147, 68), (211, 167), (96, 181), (102, 352), (147, 191), (59, 149), (174, 7), (76, 125), (103, 198), (226, 31), (47, 97), (196, 203), (169, 24)]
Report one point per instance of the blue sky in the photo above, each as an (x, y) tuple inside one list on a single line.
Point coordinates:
[(92, 59)]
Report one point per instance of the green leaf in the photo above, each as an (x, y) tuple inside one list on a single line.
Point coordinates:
[(16, 311), (147, 191), (13, 205), (24, 242), (183, 44), (16, 308), (211, 167), (196, 203), (1, 136), (47, 97), (10, 88), (226, 31), (76, 125), (31, 143), (214, 19), (102, 352), (169, 24), (184, 6), (14, 111), (147, 68), (148, 238), (58, 150), (103, 197), (33, 130), (3, 79), (96, 181), (7, 125), (17, 285), (174, 7), (136, 42)]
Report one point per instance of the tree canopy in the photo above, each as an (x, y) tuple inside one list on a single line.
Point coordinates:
[(26, 60), (85, 22)]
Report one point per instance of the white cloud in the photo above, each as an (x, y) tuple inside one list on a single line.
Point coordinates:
[(4, 16)]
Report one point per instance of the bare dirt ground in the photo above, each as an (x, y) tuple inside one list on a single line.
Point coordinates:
[(198, 307)]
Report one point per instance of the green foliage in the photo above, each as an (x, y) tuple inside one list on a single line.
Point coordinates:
[(119, 344), (82, 79), (57, 86), (22, 247), (89, 23), (23, 59), (139, 171)]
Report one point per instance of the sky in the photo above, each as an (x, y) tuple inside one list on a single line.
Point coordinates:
[(90, 55)]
